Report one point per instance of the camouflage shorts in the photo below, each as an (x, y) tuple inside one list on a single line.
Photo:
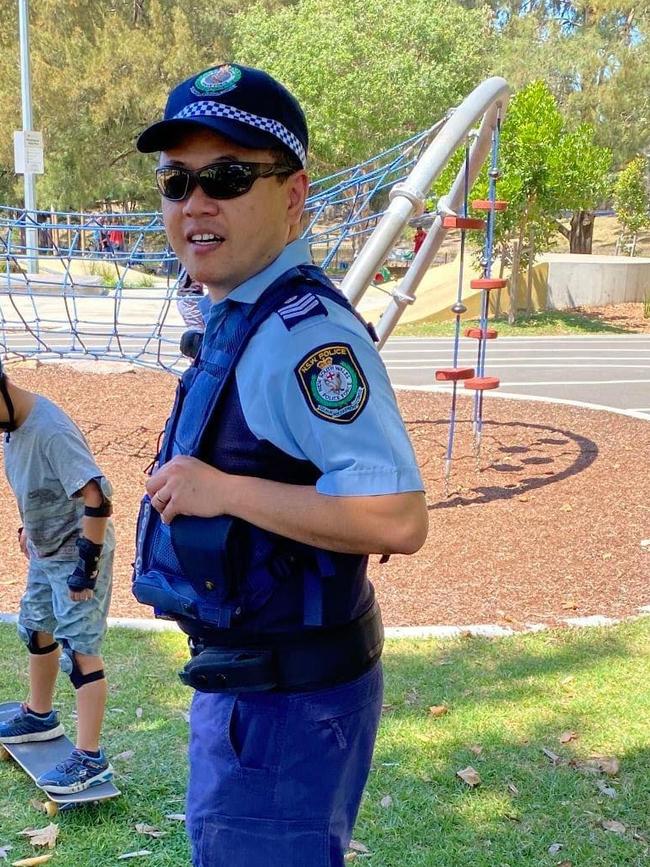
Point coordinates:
[(46, 605)]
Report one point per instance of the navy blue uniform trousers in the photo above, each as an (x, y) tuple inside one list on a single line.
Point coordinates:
[(276, 778)]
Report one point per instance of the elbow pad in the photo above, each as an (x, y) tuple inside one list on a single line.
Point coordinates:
[(106, 508)]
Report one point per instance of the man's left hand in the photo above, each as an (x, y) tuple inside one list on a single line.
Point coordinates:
[(187, 486)]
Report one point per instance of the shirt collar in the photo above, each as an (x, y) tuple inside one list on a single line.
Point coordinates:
[(294, 254)]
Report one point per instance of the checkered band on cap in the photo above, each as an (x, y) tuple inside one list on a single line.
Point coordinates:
[(205, 108)]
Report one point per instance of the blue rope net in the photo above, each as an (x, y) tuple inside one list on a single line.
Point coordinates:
[(104, 285)]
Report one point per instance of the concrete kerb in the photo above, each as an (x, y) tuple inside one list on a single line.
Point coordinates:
[(441, 632)]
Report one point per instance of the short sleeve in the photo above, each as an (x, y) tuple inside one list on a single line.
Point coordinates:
[(330, 402), (71, 461)]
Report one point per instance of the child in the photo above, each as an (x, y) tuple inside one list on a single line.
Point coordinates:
[(64, 504), (189, 296)]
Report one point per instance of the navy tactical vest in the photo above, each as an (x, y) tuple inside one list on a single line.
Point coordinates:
[(215, 573)]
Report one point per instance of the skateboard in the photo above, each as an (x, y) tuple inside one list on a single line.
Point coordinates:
[(36, 757)]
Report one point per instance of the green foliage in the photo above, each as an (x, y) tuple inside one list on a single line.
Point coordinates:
[(595, 58), (546, 169), (367, 72), (631, 199), (101, 72), (507, 700)]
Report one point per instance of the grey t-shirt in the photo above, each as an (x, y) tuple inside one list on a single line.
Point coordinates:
[(47, 462)]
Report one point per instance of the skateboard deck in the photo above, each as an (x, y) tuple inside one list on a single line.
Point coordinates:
[(36, 757)]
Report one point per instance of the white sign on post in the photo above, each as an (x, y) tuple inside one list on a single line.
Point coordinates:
[(28, 152)]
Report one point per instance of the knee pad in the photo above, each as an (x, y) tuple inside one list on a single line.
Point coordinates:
[(70, 666), (30, 637)]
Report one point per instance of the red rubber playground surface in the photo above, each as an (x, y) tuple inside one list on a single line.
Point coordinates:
[(551, 527)]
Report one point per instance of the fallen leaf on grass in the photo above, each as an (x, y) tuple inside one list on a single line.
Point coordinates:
[(355, 846), (32, 862), (554, 848), (141, 853), (143, 828), (38, 805), (138, 712), (350, 856), (565, 864), (3, 852), (607, 764), (438, 710), (470, 776), (568, 679), (613, 826), (386, 801), (567, 737), (387, 708), (513, 789), (606, 790), (411, 696), (124, 757), (553, 757), (42, 836), (476, 750), (175, 817)]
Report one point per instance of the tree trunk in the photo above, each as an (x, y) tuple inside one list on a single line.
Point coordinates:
[(514, 280), (529, 276), (582, 232)]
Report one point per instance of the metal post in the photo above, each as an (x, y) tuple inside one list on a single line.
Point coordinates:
[(31, 230)]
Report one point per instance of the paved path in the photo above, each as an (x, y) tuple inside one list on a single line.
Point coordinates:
[(604, 370)]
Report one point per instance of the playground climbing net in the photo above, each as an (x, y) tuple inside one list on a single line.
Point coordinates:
[(104, 285)]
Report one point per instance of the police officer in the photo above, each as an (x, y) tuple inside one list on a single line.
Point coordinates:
[(284, 464)]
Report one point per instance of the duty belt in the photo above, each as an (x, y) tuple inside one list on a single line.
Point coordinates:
[(305, 660)]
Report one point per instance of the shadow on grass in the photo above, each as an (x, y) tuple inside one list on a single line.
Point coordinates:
[(507, 700)]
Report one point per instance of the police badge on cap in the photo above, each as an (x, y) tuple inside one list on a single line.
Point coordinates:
[(243, 104)]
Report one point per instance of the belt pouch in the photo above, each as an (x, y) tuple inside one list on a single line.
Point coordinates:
[(224, 670)]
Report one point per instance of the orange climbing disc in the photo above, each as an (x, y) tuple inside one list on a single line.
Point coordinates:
[(452, 221), (453, 374), (482, 333), (481, 383), (487, 283), (487, 205)]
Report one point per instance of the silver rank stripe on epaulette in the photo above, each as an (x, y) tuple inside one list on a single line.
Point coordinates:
[(296, 308)]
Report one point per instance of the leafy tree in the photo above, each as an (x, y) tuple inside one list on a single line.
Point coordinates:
[(631, 198), (594, 56), (546, 169), (368, 72), (101, 71)]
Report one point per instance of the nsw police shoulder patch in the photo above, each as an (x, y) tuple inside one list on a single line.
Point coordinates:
[(333, 383)]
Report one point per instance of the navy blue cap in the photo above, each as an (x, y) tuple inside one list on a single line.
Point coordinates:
[(243, 104)]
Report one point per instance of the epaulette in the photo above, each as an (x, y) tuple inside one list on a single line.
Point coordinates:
[(300, 307)]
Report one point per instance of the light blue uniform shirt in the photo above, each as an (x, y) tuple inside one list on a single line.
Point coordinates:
[(371, 454)]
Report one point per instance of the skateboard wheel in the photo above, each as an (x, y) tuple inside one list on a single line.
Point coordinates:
[(51, 808), (4, 755)]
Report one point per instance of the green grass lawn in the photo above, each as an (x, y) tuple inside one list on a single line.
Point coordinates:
[(544, 323), (506, 700)]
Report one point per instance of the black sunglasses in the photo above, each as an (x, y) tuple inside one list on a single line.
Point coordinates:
[(224, 180)]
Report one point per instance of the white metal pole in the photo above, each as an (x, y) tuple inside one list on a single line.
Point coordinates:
[(31, 231)]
